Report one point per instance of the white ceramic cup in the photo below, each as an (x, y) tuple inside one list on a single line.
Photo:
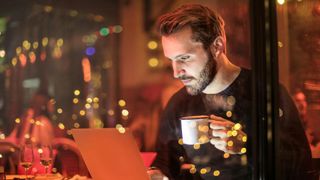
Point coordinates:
[(195, 129)]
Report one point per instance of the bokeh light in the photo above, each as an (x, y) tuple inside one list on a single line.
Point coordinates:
[(35, 45), (216, 172), (152, 45), (76, 92), (122, 102), (61, 126), (125, 112), (90, 51), (117, 29), (2, 53), (104, 31), (75, 100), (153, 62), (14, 61), (45, 41)]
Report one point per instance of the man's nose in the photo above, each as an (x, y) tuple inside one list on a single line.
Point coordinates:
[(177, 69)]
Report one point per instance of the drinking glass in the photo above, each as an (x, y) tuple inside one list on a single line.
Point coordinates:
[(46, 155), (26, 157)]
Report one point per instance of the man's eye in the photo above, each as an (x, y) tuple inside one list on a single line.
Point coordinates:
[(185, 57)]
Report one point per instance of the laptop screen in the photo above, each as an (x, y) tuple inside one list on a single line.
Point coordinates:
[(110, 154)]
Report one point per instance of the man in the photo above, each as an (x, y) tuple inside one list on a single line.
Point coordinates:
[(194, 40)]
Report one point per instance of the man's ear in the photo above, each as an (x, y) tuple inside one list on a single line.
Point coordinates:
[(218, 46)]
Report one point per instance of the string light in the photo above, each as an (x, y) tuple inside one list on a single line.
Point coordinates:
[(216, 172), (82, 112), (110, 112), (61, 126), (104, 31), (244, 139), (193, 170), (35, 45), (237, 126), (59, 42), (122, 102), (89, 100), (17, 120), (18, 50), (45, 41), (76, 125), (87, 106), (23, 60), (14, 61), (196, 146), (117, 29), (75, 100), (59, 111), (203, 171), (152, 45), (76, 92), (90, 51), (153, 62), (125, 112), (2, 53), (229, 114), (32, 57)]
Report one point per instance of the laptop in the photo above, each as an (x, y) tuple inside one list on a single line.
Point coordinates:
[(110, 154)]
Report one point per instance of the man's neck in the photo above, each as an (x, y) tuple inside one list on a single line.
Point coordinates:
[(226, 74)]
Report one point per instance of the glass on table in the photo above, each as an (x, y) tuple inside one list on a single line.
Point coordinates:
[(26, 157), (46, 156)]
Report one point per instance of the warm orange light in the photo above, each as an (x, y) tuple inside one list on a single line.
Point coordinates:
[(32, 57), (86, 69), (23, 60)]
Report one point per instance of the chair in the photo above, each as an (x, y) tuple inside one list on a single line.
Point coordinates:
[(69, 159)]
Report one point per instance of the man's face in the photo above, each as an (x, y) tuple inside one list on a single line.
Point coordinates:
[(191, 63)]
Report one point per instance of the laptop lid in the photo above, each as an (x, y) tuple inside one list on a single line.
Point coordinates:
[(110, 154)]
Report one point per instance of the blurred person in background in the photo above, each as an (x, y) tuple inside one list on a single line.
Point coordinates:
[(35, 126), (301, 103), (35, 123)]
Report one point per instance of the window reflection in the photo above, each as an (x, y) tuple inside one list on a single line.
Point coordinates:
[(299, 64)]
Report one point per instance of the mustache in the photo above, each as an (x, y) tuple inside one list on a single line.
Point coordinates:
[(184, 77)]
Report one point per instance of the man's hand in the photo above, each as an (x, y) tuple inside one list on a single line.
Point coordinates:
[(227, 136)]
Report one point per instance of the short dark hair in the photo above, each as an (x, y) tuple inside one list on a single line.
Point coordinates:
[(206, 24)]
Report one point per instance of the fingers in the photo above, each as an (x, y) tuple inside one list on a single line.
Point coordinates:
[(226, 135), (217, 123), (220, 144), (219, 133)]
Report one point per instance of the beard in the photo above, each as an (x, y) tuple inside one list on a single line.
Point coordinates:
[(206, 76)]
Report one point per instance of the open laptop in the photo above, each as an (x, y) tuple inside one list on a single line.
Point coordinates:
[(110, 154)]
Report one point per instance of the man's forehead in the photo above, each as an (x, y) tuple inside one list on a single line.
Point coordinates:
[(179, 43)]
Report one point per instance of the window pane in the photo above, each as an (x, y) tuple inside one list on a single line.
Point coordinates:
[(299, 65)]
